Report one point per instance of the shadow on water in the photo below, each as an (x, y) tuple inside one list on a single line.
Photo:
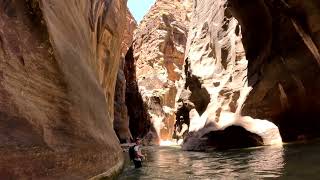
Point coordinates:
[(293, 161)]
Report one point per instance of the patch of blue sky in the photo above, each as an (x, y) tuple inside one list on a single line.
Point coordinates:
[(139, 8)]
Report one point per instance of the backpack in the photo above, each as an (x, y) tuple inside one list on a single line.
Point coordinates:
[(132, 152)]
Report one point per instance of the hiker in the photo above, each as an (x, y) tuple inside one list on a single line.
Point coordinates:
[(135, 154), (181, 128)]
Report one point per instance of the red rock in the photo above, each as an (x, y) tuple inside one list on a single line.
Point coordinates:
[(159, 45), (58, 66), (121, 119)]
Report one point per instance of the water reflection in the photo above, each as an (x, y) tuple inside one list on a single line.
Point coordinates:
[(269, 162), (172, 163)]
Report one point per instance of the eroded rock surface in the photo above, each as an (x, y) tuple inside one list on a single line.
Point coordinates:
[(121, 119), (159, 46), (257, 63), (254, 65), (288, 85), (58, 66), (139, 119)]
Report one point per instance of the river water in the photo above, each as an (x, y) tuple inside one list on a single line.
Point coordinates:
[(292, 161)]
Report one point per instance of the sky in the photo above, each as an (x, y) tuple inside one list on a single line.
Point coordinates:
[(139, 8)]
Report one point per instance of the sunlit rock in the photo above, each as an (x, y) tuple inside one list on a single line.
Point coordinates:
[(228, 73), (201, 137), (159, 46), (248, 68), (169, 143)]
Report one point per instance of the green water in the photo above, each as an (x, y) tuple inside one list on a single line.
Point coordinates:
[(295, 161)]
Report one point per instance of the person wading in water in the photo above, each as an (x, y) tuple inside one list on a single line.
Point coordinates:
[(135, 154)]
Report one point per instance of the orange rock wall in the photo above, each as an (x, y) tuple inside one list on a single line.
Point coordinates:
[(58, 67)]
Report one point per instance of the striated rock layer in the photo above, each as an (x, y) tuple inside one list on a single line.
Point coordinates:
[(121, 119), (159, 46), (255, 66), (58, 66)]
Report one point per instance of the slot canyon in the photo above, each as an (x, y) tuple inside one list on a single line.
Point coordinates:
[(80, 78)]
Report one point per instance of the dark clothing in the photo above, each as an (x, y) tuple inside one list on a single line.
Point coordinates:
[(137, 164), (137, 160)]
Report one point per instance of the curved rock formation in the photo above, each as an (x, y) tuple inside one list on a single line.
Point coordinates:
[(58, 66), (288, 85), (159, 45), (247, 61)]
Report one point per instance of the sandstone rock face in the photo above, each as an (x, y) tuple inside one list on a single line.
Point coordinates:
[(139, 119), (159, 46), (253, 65), (121, 120), (288, 87), (58, 66)]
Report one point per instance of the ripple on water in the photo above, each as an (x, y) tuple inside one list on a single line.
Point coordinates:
[(254, 163)]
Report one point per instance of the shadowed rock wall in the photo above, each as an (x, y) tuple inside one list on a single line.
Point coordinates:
[(287, 85), (139, 119), (121, 119)]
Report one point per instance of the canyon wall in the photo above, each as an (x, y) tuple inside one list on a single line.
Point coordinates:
[(121, 119), (158, 50), (58, 66), (251, 67)]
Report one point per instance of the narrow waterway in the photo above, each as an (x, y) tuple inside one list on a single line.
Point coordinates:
[(293, 161)]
